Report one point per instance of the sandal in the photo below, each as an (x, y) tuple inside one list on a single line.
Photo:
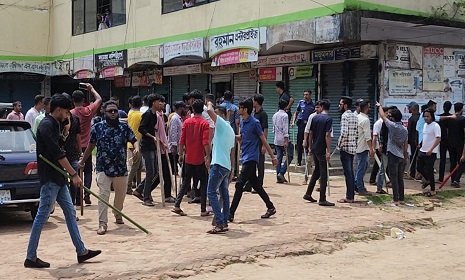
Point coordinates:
[(429, 194), (345, 200), (179, 212), (216, 230), (138, 195)]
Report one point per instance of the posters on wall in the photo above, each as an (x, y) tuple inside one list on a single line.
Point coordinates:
[(456, 88), (449, 63), (460, 63), (401, 104), (404, 82), (433, 69), (404, 57)]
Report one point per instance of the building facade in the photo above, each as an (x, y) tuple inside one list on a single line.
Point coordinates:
[(394, 52)]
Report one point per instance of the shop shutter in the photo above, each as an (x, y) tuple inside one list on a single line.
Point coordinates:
[(179, 86), (25, 91), (363, 82), (5, 96), (243, 86), (299, 85), (332, 88), (221, 78), (270, 105), (199, 82)]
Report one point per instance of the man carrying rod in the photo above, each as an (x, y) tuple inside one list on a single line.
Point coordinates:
[(54, 186)]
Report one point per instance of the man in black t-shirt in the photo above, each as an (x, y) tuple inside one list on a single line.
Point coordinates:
[(320, 148), (284, 95), (455, 129)]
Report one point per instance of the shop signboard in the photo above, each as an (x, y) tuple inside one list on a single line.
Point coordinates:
[(300, 72), (144, 54), (404, 82), (270, 74), (234, 57), (242, 39), (182, 70), (294, 59), (110, 59), (193, 47), (25, 66)]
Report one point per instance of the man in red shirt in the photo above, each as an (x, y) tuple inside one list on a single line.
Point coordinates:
[(196, 142), (85, 115)]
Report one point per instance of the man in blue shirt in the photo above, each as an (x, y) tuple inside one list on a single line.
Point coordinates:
[(250, 138), (320, 148), (305, 107), (220, 170), (111, 137), (232, 111)]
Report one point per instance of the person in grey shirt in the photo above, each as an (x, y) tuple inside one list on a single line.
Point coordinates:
[(397, 151)]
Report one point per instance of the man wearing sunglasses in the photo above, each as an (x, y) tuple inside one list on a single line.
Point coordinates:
[(111, 137)]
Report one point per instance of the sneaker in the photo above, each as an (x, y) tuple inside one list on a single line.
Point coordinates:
[(90, 254), (87, 200), (326, 203), (309, 198), (280, 179), (269, 213), (36, 264)]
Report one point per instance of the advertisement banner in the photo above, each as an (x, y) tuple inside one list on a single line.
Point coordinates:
[(456, 88), (82, 63), (144, 54), (84, 74), (433, 69), (242, 39), (116, 58), (449, 63), (193, 47), (111, 71), (235, 57), (233, 68), (404, 82), (270, 74), (404, 57)]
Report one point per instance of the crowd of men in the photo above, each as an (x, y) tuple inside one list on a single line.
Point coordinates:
[(200, 142)]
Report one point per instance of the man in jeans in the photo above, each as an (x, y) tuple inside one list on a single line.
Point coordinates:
[(281, 141), (220, 171), (320, 148), (53, 183), (195, 140), (85, 115), (111, 138), (135, 160), (397, 151), (431, 138), (364, 146), (251, 134), (347, 145)]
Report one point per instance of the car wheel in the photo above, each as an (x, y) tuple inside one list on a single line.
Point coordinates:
[(34, 209)]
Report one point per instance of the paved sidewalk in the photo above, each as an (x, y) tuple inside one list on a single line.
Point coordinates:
[(179, 246)]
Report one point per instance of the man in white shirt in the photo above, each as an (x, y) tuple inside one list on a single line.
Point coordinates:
[(34, 112), (281, 140), (364, 146), (431, 135)]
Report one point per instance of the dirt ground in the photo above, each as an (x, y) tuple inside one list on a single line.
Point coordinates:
[(425, 254)]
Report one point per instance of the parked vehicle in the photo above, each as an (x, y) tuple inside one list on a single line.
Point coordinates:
[(5, 109), (19, 181)]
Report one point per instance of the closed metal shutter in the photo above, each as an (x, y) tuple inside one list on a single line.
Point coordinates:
[(243, 86), (270, 105), (179, 86), (298, 86), (332, 88), (221, 78), (363, 82), (5, 92), (199, 82)]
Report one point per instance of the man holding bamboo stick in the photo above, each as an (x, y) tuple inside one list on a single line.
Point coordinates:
[(54, 186)]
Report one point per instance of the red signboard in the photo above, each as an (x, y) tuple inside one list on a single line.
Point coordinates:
[(270, 74)]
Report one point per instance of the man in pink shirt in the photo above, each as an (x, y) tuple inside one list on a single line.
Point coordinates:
[(85, 115), (16, 113)]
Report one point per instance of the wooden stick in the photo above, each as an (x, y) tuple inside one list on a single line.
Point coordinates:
[(450, 175), (171, 173), (81, 192), (386, 178), (160, 169), (287, 163), (328, 185)]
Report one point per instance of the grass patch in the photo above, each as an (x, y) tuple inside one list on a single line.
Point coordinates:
[(416, 199)]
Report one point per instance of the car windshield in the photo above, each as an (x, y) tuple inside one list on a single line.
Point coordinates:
[(14, 139)]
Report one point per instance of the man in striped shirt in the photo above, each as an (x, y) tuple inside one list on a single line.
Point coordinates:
[(347, 145)]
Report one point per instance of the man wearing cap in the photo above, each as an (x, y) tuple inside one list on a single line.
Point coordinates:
[(305, 107), (444, 145), (364, 146), (413, 109)]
